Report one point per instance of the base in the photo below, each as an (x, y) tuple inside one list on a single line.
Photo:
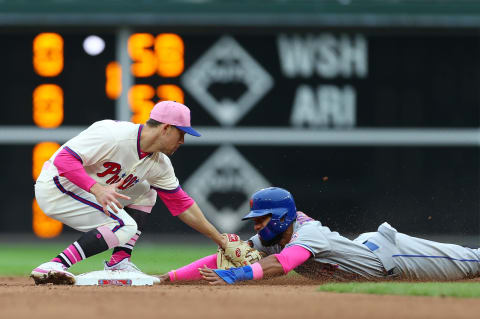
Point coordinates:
[(114, 278)]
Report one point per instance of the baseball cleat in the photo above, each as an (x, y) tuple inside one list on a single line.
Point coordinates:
[(123, 265), (52, 273), (127, 265)]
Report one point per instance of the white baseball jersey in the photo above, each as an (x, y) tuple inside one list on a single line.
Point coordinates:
[(109, 150), (335, 256)]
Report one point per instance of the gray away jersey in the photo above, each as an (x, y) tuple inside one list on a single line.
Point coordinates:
[(406, 257), (333, 256)]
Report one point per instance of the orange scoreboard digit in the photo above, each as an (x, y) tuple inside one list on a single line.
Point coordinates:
[(161, 55)]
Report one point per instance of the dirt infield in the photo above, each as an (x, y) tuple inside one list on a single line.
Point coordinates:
[(276, 298)]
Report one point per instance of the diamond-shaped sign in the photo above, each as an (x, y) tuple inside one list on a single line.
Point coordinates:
[(227, 63), (222, 186)]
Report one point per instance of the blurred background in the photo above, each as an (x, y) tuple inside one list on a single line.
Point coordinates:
[(367, 111)]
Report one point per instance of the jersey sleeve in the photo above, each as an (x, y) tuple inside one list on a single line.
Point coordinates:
[(310, 237), (93, 145), (162, 177)]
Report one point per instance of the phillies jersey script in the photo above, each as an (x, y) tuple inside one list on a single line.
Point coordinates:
[(109, 151)]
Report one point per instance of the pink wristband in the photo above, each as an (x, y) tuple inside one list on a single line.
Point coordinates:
[(257, 271)]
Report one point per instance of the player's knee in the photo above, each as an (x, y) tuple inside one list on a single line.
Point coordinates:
[(131, 229), (127, 231)]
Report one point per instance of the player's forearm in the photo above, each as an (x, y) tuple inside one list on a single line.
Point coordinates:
[(194, 218), (271, 267), (190, 271), (96, 189)]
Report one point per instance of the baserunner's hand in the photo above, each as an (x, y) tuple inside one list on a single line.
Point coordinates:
[(163, 278), (210, 276), (107, 196)]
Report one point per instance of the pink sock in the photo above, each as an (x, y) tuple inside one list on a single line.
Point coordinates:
[(190, 272), (118, 257), (71, 255)]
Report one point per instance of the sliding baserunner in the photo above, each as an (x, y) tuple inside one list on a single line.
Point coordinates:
[(293, 241)]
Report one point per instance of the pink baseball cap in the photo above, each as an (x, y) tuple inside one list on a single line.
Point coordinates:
[(173, 113)]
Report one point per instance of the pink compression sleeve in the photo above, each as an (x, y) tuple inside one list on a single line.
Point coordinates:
[(292, 256), (177, 201), (69, 165), (190, 272)]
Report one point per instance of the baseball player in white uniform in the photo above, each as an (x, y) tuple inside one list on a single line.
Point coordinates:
[(292, 240), (105, 181)]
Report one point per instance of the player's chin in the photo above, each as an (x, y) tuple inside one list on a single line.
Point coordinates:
[(275, 240)]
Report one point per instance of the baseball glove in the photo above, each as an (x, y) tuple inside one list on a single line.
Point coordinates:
[(238, 253)]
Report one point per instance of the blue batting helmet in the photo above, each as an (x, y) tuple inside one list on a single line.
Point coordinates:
[(276, 202)]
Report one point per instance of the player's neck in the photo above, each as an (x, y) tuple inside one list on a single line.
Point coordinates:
[(287, 236), (148, 139)]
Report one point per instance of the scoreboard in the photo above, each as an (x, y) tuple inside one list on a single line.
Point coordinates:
[(387, 112), (307, 78)]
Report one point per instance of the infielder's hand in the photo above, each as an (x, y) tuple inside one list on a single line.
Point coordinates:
[(224, 241), (107, 196), (237, 253), (210, 276)]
